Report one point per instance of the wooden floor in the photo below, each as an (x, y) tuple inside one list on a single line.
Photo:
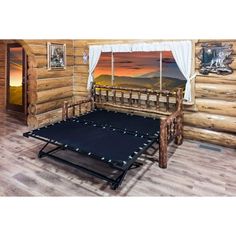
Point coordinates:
[(195, 169)]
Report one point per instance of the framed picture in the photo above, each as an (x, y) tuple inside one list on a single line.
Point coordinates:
[(56, 56), (215, 58)]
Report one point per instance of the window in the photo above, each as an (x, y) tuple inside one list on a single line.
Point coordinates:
[(152, 70)]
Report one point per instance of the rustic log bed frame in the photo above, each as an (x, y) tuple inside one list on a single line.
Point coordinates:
[(103, 100)]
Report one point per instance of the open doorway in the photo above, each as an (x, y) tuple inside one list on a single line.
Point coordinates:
[(16, 82)]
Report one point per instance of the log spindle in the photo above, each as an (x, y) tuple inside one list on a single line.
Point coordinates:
[(92, 104), (157, 101), (107, 96), (167, 102), (130, 98), (100, 95), (65, 110), (148, 100), (114, 96), (122, 97), (79, 109), (139, 99)]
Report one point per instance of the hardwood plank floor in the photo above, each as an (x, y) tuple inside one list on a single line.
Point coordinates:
[(194, 169)]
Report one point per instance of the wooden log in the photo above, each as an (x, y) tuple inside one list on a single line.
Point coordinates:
[(42, 49), (79, 51), (211, 79), (163, 145), (43, 73), (35, 121), (42, 61), (216, 91), (79, 60), (219, 138), (131, 108), (81, 95), (69, 43), (35, 109), (211, 121), (50, 95), (81, 77), (81, 69), (218, 107), (50, 83), (179, 130)]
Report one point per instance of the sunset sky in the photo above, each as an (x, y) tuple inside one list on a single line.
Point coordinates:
[(131, 64), (16, 66)]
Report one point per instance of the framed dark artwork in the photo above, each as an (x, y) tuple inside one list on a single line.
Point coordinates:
[(215, 58), (56, 56)]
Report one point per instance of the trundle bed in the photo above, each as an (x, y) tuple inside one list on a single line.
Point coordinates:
[(97, 129)]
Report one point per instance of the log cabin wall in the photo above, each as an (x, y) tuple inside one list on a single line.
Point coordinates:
[(215, 98), (47, 89), (2, 75)]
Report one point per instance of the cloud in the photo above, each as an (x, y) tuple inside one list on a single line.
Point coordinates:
[(124, 62)]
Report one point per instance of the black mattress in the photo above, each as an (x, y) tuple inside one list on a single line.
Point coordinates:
[(112, 137), (131, 123)]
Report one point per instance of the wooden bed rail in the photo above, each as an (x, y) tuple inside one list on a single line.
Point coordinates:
[(66, 106), (171, 128)]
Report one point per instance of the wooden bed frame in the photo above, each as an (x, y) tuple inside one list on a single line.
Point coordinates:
[(164, 104)]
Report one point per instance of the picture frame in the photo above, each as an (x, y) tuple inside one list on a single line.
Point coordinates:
[(215, 58), (56, 56)]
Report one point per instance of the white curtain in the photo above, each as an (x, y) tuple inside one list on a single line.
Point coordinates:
[(181, 50), (94, 55)]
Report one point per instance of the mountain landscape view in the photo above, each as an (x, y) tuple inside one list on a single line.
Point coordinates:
[(140, 71), (141, 82)]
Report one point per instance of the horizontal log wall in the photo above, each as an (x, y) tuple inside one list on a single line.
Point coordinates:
[(215, 119), (2, 75), (47, 89)]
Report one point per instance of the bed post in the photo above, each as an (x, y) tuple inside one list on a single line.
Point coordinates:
[(65, 110), (179, 120), (163, 145)]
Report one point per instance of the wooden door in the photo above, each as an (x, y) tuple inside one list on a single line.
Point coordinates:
[(16, 78)]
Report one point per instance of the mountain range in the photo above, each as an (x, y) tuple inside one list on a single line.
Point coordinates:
[(150, 81)]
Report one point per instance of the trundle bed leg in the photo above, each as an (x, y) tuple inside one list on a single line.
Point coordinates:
[(118, 181), (41, 152), (163, 146)]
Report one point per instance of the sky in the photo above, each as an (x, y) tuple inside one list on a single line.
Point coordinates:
[(16, 66), (131, 64)]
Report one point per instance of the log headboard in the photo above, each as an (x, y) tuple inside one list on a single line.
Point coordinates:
[(143, 100)]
